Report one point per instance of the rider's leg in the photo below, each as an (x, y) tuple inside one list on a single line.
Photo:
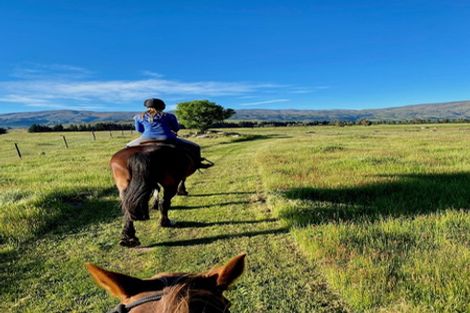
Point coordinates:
[(194, 150), (191, 147)]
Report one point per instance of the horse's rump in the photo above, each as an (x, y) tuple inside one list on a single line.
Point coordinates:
[(171, 155), (143, 167)]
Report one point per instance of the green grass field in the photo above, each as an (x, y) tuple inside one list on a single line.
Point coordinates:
[(366, 219)]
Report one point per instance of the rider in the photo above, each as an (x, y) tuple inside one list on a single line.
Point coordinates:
[(156, 125)]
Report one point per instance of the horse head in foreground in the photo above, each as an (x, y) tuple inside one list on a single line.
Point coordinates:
[(172, 292), (138, 172)]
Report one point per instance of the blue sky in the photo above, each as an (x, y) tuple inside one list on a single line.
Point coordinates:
[(111, 55)]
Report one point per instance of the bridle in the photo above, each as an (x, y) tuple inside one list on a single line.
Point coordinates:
[(125, 308)]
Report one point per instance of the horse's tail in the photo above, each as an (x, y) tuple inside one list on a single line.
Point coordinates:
[(137, 194)]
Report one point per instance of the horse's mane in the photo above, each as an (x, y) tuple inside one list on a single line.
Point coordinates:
[(194, 292)]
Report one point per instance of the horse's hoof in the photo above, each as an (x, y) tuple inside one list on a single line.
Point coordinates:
[(166, 223), (129, 242), (182, 193)]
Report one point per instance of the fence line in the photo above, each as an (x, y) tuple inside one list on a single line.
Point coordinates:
[(65, 140), (18, 150)]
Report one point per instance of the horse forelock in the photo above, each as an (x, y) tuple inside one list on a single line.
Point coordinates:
[(193, 295)]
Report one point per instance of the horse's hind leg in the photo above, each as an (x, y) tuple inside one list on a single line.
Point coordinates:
[(168, 193), (128, 238), (182, 188), (156, 198)]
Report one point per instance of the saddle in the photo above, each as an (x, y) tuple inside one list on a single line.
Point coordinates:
[(158, 143), (196, 158)]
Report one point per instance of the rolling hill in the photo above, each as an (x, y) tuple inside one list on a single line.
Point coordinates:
[(449, 110)]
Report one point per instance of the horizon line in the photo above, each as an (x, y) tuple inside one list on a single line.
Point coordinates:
[(254, 109)]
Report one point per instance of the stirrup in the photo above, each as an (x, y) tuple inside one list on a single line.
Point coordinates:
[(205, 165)]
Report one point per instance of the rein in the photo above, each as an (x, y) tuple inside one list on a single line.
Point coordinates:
[(219, 304), (125, 308)]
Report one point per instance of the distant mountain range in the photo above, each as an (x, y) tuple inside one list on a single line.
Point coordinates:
[(434, 111)]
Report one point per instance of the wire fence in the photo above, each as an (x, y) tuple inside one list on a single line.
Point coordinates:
[(21, 145)]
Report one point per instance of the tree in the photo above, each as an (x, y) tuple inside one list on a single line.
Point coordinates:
[(36, 128), (201, 114), (58, 128), (3, 131), (364, 122)]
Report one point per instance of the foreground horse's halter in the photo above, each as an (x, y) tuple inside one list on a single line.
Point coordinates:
[(125, 308)]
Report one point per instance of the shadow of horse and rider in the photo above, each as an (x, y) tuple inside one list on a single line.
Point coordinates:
[(398, 195)]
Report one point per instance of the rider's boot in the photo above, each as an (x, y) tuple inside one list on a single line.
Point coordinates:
[(205, 164)]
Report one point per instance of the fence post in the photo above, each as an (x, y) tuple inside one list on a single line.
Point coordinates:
[(94, 136), (122, 132), (18, 150), (65, 141), (110, 134)]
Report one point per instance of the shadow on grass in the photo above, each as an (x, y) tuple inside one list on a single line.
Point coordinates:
[(249, 137), (66, 211), (208, 240), (403, 195), (70, 210), (194, 207), (14, 267), (192, 224), (222, 194)]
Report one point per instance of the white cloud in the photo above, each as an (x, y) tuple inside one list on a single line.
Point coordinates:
[(41, 71), (117, 91), (60, 86), (32, 101), (152, 74), (264, 102), (304, 90)]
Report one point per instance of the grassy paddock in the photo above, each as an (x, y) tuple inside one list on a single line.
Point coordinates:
[(383, 210), (379, 213), (59, 209)]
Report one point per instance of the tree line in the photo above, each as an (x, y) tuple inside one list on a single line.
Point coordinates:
[(339, 123), (38, 128)]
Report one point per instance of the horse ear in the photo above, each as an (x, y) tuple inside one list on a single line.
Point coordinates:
[(229, 272), (119, 285)]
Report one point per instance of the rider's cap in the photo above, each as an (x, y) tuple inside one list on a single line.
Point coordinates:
[(155, 103)]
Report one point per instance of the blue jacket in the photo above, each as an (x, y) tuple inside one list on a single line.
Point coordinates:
[(163, 127)]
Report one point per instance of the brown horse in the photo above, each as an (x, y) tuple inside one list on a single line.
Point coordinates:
[(138, 172), (175, 292)]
